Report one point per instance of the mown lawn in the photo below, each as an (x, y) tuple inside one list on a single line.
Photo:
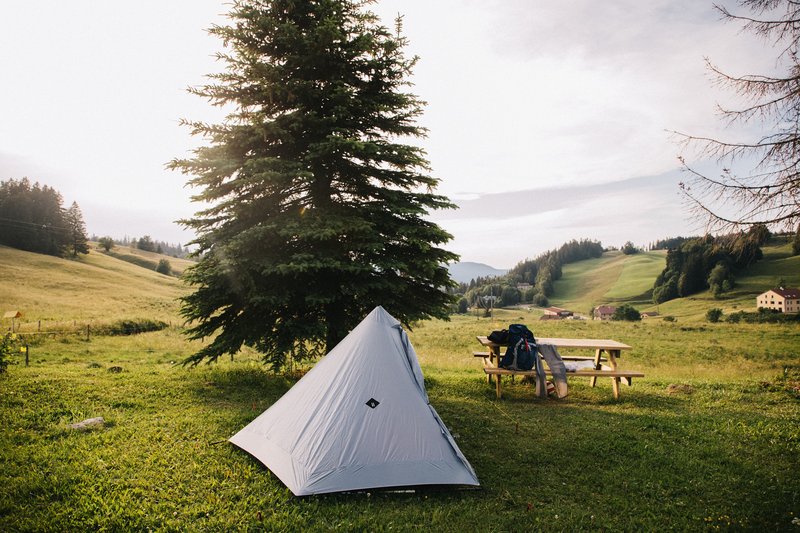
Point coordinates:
[(720, 453)]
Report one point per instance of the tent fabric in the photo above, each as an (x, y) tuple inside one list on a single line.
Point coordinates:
[(359, 419)]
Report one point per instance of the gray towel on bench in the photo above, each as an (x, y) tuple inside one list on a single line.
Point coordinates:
[(575, 366), (557, 368), (541, 377)]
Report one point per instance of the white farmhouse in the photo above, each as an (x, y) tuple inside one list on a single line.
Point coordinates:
[(780, 299)]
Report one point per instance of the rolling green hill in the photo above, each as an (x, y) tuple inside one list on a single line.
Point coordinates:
[(103, 287), (94, 287), (616, 278), (778, 263)]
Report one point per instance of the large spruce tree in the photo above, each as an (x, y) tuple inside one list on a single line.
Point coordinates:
[(314, 208)]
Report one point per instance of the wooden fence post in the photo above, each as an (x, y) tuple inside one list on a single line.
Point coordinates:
[(87, 332), (26, 354), (39, 327)]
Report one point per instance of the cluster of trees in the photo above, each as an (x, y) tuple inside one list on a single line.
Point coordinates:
[(629, 248), (33, 218), (708, 263), (670, 243), (145, 243), (539, 273)]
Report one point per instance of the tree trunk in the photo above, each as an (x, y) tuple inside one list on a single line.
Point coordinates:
[(334, 321)]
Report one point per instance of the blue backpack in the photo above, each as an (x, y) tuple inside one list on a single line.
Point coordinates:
[(522, 353)]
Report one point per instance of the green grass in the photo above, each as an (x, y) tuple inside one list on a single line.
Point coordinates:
[(614, 277), (637, 276), (584, 284), (722, 456), (93, 288)]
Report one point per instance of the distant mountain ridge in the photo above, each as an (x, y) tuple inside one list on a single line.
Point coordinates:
[(466, 271)]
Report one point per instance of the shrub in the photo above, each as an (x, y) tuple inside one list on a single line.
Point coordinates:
[(626, 312), (669, 318), (463, 306), (106, 243), (164, 267), (764, 316), (714, 314), (130, 327)]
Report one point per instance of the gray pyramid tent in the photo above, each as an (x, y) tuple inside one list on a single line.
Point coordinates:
[(359, 419)]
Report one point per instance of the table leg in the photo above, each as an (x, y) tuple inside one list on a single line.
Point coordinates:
[(497, 385), (494, 358), (597, 354), (612, 362)]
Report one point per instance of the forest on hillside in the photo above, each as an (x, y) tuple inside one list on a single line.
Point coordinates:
[(34, 219), (708, 262), (530, 281)]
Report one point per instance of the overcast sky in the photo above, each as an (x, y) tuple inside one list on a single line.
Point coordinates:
[(548, 119)]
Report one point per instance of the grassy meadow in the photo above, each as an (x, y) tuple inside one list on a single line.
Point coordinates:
[(96, 288), (614, 277), (708, 440)]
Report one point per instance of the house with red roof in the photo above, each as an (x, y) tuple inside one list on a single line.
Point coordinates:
[(785, 300), (604, 312)]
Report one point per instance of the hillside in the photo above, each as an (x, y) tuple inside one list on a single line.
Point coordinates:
[(148, 260), (614, 277), (778, 263), (94, 287), (617, 278)]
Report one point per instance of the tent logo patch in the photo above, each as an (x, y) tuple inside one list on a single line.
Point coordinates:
[(372, 403)]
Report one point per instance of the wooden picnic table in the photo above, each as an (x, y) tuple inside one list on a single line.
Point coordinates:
[(605, 350)]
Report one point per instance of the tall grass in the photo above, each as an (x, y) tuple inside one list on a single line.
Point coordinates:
[(95, 287)]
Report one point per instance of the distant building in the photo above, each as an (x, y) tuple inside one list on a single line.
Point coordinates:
[(523, 286), (649, 314), (557, 312), (780, 299), (604, 312)]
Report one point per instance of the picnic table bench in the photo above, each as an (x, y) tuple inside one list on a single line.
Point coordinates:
[(605, 350)]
